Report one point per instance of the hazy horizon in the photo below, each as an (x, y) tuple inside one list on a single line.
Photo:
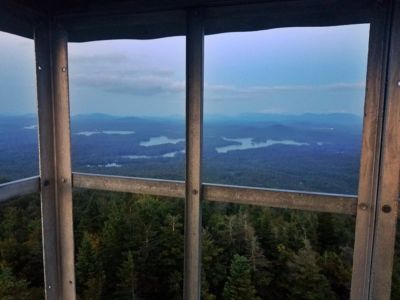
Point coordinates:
[(183, 116)]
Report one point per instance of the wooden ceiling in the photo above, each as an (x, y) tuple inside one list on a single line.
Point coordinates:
[(88, 20)]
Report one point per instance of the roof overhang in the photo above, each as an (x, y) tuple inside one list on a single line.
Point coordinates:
[(105, 19)]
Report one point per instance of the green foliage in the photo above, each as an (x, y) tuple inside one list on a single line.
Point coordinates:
[(12, 288), (337, 271), (21, 259), (131, 247), (305, 277), (127, 277), (89, 269), (239, 284)]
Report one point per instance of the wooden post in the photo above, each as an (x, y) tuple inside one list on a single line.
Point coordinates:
[(55, 161), (388, 193), (379, 170), (194, 124), (370, 159)]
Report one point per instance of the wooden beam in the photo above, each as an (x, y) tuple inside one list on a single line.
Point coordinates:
[(370, 156), (167, 188), (319, 202), (55, 161), (341, 204), (388, 193), (18, 188), (194, 129)]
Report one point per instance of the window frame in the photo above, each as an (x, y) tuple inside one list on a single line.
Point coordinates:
[(375, 206)]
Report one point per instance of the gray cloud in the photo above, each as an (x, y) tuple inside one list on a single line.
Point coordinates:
[(98, 60), (114, 63), (118, 73), (145, 84), (152, 83), (227, 89)]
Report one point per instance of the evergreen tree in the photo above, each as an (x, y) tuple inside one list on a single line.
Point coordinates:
[(10, 287), (239, 285), (338, 273), (306, 281), (128, 277), (89, 269), (213, 270)]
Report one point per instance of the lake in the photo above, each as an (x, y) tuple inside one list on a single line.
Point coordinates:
[(119, 132), (160, 140), (247, 143)]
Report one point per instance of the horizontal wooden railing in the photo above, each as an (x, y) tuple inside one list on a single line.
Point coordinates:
[(10, 190), (309, 201), (343, 204), (155, 187), (320, 202)]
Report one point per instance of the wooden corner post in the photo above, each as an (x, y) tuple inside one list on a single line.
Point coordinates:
[(388, 192), (55, 161), (194, 124), (379, 171)]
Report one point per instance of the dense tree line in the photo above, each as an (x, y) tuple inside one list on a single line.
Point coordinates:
[(131, 247)]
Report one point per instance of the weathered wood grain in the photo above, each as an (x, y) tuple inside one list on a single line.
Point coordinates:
[(55, 161)]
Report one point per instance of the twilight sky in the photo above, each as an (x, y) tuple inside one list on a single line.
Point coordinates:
[(290, 70)]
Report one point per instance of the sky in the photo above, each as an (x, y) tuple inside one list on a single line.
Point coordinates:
[(285, 71)]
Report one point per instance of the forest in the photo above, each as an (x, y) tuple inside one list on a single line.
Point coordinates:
[(131, 247)]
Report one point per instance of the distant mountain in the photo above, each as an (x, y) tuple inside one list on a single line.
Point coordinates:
[(331, 118), (99, 120), (96, 116), (18, 117)]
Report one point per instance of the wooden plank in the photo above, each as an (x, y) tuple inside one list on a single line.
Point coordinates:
[(370, 158), (167, 188), (320, 202), (55, 161), (387, 205), (18, 188), (341, 204), (194, 129)]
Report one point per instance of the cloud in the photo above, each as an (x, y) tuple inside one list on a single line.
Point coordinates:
[(116, 73), (143, 85), (114, 63), (99, 59), (262, 89)]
